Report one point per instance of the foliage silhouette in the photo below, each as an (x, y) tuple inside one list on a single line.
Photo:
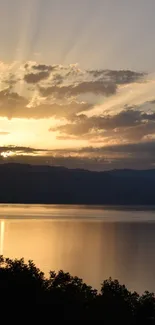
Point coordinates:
[(69, 298)]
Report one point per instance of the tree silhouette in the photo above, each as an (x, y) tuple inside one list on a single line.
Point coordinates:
[(69, 298)]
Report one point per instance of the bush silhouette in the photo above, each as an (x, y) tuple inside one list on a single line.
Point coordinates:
[(69, 298)]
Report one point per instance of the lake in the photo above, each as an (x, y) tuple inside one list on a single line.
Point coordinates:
[(90, 242)]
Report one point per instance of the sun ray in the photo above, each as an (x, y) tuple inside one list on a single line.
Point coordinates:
[(130, 94)]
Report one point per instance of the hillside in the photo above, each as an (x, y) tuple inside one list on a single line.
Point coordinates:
[(22, 183)]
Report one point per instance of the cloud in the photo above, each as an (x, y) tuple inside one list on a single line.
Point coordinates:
[(146, 148), (119, 77), (95, 108), (127, 125), (53, 86), (20, 149), (67, 111), (11, 103), (44, 67), (135, 156), (75, 81), (58, 79), (11, 80), (55, 110), (7, 94), (95, 87), (33, 78), (10, 151), (14, 106)]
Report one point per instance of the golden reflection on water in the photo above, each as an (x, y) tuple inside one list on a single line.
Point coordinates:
[(2, 230), (91, 249), (77, 247)]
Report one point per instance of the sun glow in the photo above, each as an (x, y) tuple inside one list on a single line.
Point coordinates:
[(7, 154)]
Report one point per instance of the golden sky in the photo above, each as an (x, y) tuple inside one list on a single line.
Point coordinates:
[(74, 89)]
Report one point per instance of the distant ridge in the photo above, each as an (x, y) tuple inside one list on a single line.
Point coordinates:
[(24, 183)]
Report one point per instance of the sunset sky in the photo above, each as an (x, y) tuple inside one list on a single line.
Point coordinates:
[(77, 83)]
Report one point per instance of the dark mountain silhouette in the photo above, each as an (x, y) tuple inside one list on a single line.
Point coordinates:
[(21, 183)]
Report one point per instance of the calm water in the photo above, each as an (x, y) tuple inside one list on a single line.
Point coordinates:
[(90, 242)]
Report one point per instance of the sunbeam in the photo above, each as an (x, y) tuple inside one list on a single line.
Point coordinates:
[(130, 94), (70, 78), (28, 18)]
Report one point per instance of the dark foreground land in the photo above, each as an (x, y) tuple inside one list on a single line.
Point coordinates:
[(68, 298), (22, 183)]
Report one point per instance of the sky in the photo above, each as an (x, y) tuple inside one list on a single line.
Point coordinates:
[(77, 82)]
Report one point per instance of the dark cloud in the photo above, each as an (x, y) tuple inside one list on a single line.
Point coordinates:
[(58, 79), (128, 125), (20, 149), (119, 77), (44, 67), (33, 78), (9, 95), (26, 66), (137, 133), (143, 148), (146, 148), (147, 116), (135, 156), (69, 81), (95, 87), (152, 101)]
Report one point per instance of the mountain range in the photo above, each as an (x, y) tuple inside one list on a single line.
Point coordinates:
[(23, 183)]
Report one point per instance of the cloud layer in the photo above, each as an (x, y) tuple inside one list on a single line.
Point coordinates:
[(138, 156), (113, 112)]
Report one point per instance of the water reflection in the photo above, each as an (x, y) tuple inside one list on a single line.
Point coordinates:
[(2, 230), (91, 250)]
